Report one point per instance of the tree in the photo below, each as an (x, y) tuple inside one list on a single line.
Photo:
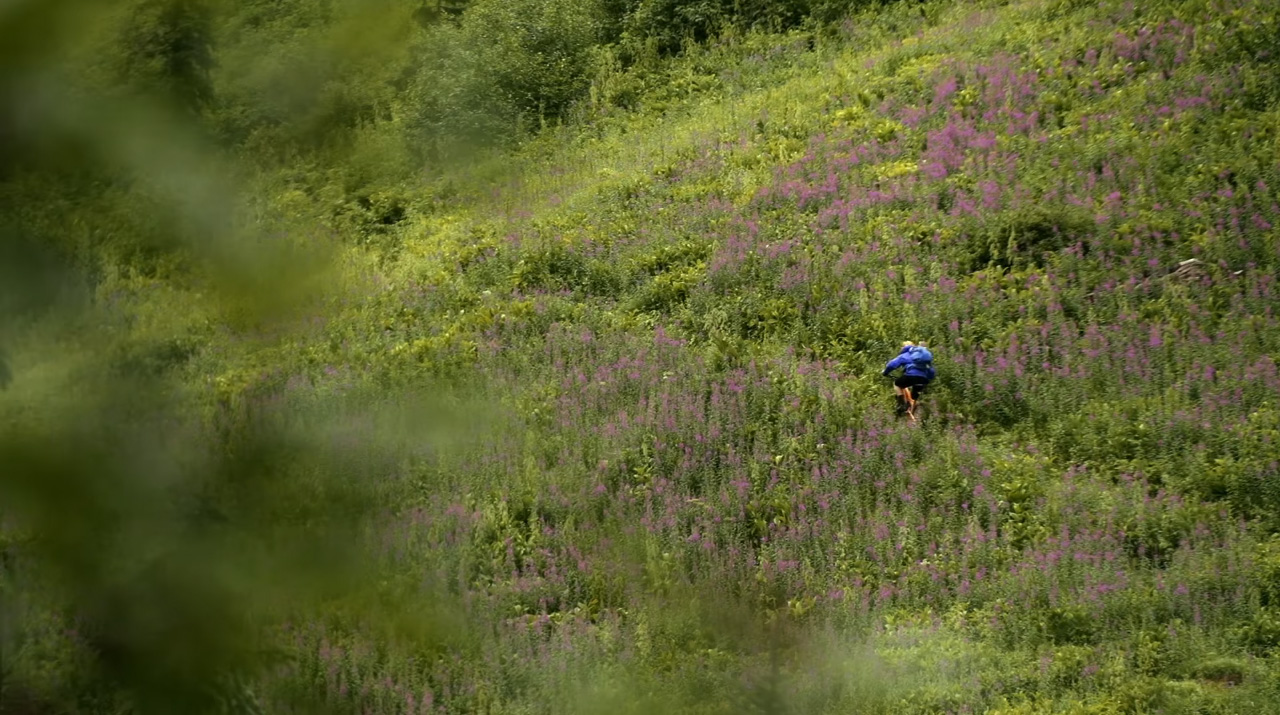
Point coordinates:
[(168, 50), (432, 12)]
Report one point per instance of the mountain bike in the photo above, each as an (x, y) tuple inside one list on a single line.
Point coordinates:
[(909, 401)]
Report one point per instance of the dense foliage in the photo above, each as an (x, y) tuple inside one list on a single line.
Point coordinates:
[(324, 400)]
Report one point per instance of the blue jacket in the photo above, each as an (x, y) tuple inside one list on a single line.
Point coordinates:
[(918, 362)]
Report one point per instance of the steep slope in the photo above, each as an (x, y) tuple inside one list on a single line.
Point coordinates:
[(693, 496), (700, 496)]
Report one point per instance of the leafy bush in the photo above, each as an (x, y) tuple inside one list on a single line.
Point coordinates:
[(534, 54), (167, 49), (551, 267), (670, 24), (1027, 236)]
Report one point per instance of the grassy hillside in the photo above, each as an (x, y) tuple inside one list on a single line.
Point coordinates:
[(597, 424)]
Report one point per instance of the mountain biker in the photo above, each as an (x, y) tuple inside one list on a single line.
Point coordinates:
[(917, 364)]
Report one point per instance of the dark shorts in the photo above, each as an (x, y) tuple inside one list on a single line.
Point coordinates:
[(911, 381)]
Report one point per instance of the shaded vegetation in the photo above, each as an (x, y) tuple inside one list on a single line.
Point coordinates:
[(512, 357)]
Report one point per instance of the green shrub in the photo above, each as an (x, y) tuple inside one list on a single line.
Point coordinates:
[(1025, 236), (167, 49), (1069, 625), (669, 256), (550, 267), (1229, 671), (534, 54), (1261, 635), (670, 24), (667, 290)]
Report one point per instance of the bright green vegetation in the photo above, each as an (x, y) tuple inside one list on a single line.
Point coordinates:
[(521, 361)]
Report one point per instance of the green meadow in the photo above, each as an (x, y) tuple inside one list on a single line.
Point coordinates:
[(524, 356)]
